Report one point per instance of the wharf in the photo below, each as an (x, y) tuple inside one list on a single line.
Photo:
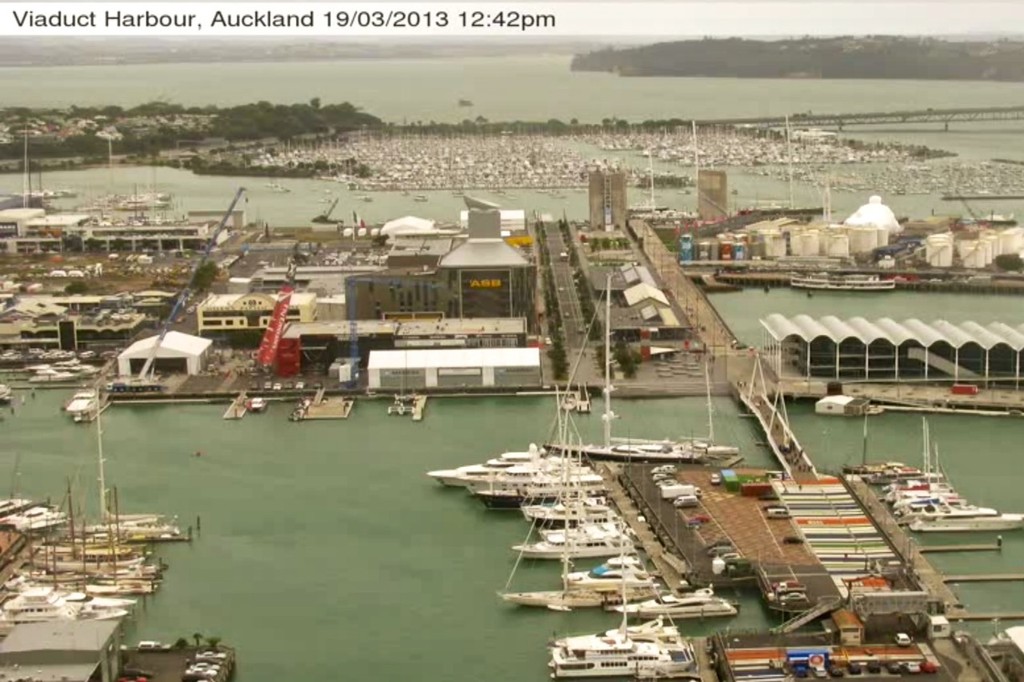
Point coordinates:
[(169, 665), (913, 397), (418, 405), (237, 409), (670, 568), (931, 579), (329, 408), (985, 578), (945, 549)]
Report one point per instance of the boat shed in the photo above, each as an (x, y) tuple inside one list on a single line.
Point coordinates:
[(62, 651), (410, 370), (842, 405), (885, 350), (178, 354)]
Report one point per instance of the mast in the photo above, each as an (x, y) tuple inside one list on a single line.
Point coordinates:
[(102, 476), (650, 166), (864, 447), (711, 411), (696, 164), (25, 178), (827, 204), (608, 414), (789, 162)]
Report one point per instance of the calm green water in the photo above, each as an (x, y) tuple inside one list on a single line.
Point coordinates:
[(324, 544)]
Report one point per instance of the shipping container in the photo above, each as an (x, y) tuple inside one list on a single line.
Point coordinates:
[(964, 389), (755, 489), (725, 251)]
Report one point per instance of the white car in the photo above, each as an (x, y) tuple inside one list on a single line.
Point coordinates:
[(300, 385), (716, 479), (277, 386), (903, 639)]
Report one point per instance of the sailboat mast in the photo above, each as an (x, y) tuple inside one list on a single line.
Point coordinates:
[(102, 475), (696, 164), (25, 178), (711, 411), (650, 166), (607, 417), (789, 162), (864, 446)]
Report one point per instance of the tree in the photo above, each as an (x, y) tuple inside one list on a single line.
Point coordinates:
[(626, 359), (213, 642), (600, 357), (205, 275), (198, 636), (1009, 262), (180, 643), (76, 288), (315, 102)]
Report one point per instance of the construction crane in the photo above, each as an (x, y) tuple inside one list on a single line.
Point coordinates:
[(146, 375), (272, 337), (325, 217)]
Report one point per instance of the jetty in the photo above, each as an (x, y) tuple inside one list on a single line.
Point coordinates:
[(237, 408), (321, 407)]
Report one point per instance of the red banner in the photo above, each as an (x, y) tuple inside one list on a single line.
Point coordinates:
[(272, 337)]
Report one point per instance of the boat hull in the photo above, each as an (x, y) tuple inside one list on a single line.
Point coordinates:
[(968, 525), (605, 455), (682, 613)]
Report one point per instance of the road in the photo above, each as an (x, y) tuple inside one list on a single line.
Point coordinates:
[(574, 326)]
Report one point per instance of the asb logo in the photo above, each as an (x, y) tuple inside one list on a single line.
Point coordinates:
[(485, 284)]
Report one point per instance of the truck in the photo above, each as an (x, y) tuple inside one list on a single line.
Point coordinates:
[(674, 490)]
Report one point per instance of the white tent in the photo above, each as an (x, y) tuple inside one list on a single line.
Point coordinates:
[(874, 214), (184, 350), (407, 225)]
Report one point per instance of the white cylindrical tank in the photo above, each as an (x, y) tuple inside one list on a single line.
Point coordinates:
[(837, 244), (886, 263), (882, 236), (809, 243), (361, 232), (992, 244), (1011, 240), (718, 565), (375, 232), (347, 232), (862, 239), (938, 250), (774, 244), (972, 253)]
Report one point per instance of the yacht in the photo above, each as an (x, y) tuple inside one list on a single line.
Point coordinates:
[(652, 631), (613, 574), (617, 654), (833, 282), (604, 540), (45, 604), (5, 394), (464, 475), (939, 509), (524, 477), (83, 406), (420, 197), (586, 510), (256, 405), (546, 492), (692, 451), (14, 505), (50, 375), (953, 523), (34, 519), (698, 604)]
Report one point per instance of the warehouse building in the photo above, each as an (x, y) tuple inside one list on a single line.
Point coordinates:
[(224, 315), (887, 350), (178, 354), (63, 651), (410, 370)]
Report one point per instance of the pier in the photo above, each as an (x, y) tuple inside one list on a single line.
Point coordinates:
[(985, 578), (840, 120), (940, 549), (418, 406), (328, 408), (237, 408)]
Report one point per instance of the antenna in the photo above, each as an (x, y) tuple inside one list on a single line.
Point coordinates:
[(25, 179), (696, 163), (608, 414)]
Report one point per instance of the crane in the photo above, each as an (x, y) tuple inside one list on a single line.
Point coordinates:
[(325, 217), (272, 337), (146, 375)]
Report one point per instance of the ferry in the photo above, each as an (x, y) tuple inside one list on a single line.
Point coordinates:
[(830, 282)]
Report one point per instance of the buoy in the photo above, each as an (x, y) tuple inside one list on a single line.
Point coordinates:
[(199, 453)]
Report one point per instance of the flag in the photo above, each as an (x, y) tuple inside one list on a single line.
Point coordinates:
[(355, 218)]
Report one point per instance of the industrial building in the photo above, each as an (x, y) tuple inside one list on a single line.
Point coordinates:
[(607, 194), (409, 370), (886, 350), (311, 347), (320, 279), (222, 315), (640, 309), (178, 354), (63, 651), (46, 324), (512, 221)]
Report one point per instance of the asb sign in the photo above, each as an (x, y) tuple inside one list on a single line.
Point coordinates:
[(485, 284)]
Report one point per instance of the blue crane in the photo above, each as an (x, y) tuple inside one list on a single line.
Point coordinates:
[(147, 369)]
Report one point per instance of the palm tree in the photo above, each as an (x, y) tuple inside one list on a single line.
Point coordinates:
[(198, 636)]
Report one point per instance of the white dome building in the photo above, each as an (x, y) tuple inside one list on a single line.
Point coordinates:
[(874, 214), (408, 225)]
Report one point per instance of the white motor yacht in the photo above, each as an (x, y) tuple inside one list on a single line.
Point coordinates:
[(35, 519), (616, 573), (936, 508), (45, 604), (698, 604), (603, 540), (586, 510), (652, 631), (83, 406), (48, 376), (616, 654), (955, 524), (5, 394), (464, 475)]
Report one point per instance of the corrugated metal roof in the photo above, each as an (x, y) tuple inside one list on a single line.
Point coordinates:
[(927, 334), (454, 358), (481, 253), (642, 292), (175, 344)]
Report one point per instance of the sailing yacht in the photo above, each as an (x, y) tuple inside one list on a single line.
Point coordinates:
[(35, 519), (598, 540), (627, 571), (691, 450), (698, 604)]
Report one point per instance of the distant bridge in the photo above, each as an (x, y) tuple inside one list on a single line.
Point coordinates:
[(944, 116)]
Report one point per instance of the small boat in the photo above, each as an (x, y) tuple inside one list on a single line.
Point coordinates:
[(83, 406), (5, 394), (256, 405), (420, 197), (51, 375), (967, 524), (465, 103), (403, 405)]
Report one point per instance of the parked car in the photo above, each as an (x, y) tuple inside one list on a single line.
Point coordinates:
[(664, 469), (716, 479), (300, 385), (911, 667), (720, 550), (836, 671), (894, 667), (874, 667), (277, 386), (929, 667), (854, 668), (776, 512), (903, 639), (793, 540), (685, 501)]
